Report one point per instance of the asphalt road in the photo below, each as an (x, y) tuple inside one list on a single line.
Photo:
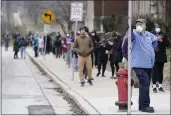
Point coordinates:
[(25, 90)]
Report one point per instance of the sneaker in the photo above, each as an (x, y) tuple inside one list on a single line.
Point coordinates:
[(97, 74), (82, 84), (155, 90), (147, 109), (161, 89), (90, 83)]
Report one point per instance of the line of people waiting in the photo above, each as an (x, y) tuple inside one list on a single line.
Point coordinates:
[(148, 55)]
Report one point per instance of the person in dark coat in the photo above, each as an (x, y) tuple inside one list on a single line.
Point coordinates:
[(16, 47), (116, 54), (96, 40), (23, 45), (160, 58), (48, 44), (57, 45), (102, 56)]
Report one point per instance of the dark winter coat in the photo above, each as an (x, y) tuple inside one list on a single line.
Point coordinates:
[(22, 42), (57, 41), (48, 43), (102, 51), (95, 40), (116, 55), (125, 47), (160, 52), (16, 45)]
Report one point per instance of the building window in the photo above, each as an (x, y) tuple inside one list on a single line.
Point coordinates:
[(97, 23)]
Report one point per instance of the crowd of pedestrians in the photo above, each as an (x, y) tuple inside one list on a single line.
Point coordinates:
[(148, 54)]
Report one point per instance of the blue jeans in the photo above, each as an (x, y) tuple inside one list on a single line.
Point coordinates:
[(23, 51), (144, 76)]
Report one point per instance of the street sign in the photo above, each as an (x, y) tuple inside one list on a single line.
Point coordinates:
[(76, 11), (48, 16), (46, 28)]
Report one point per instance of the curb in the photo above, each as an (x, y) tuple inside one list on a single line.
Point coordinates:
[(79, 100)]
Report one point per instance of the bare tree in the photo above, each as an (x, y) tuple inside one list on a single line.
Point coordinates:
[(31, 11)]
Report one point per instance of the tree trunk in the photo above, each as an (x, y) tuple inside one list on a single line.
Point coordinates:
[(70, 26), (154, 9), (62, 26)]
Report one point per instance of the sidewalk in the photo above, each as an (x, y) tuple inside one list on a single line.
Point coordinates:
[(99, 98)]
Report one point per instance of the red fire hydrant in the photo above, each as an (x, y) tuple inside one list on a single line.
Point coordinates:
[(123, 89)]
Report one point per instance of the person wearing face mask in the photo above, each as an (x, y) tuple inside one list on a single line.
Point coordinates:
[(68, 47), (57, 45), (102, 56), (115, 55), (95, 39), (83, 46), (160, 58), (142, 61)]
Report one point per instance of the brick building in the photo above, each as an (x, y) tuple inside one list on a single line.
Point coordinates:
[(99, 8), (168, 10), (108, 8)]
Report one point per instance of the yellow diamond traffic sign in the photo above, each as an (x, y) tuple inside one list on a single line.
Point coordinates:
[(48, 16)]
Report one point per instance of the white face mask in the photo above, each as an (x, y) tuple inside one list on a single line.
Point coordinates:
[(93, 34), (157, 30), (139, 29), (67, 35)]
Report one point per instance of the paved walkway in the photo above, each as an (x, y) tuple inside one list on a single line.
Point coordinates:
[(26, 91), (103, 94)]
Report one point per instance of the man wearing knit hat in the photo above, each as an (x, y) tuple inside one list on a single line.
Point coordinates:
[(142, 61)]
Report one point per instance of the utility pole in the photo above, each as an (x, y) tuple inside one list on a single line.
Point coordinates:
[(129, 55)]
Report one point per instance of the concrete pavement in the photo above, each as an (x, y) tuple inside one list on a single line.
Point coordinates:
[(26, 91), (100, 98)]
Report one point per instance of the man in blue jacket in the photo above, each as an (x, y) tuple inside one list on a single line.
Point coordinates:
[(142, 61)]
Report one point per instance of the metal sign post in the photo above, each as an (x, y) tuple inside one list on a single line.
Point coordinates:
[(76, 15), (46, 28), (129, 55)]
